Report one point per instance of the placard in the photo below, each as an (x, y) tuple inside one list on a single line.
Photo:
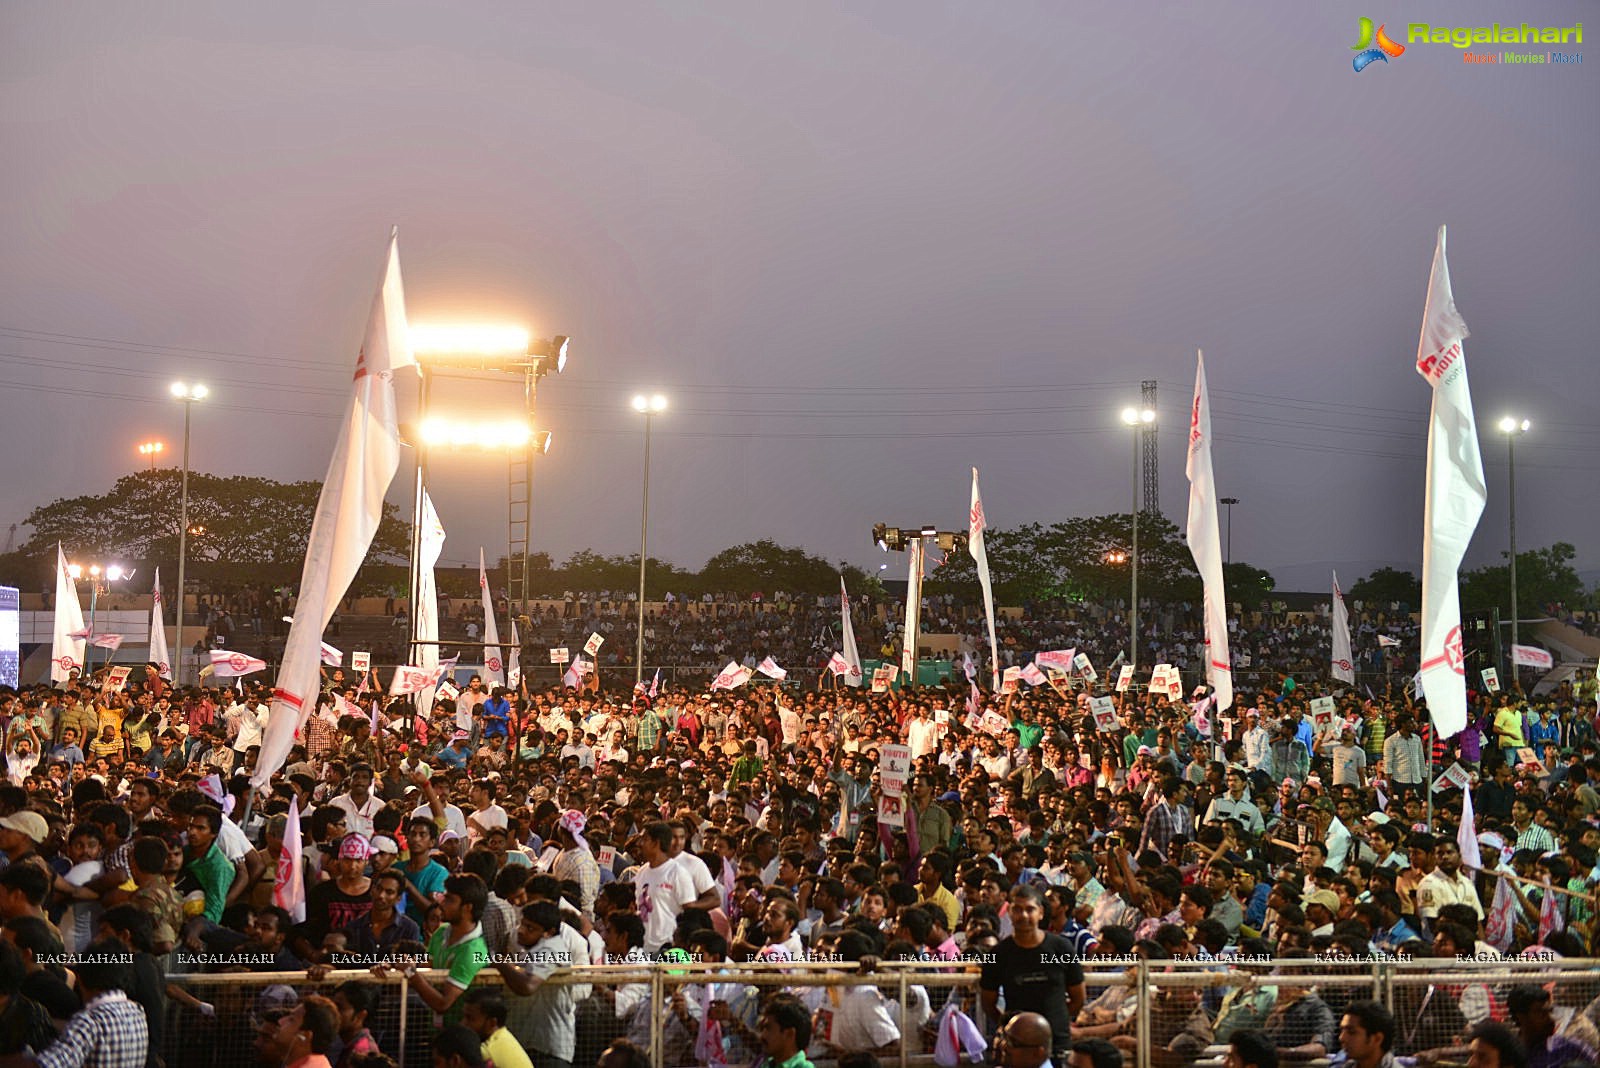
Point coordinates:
[(882, 677), (1008, 681), (941, 716), (992, 722), (117, 678), (446, 692), (894, 767), (1174, 685), (1455, 776), (1526, 757), (1124, 678), (361, 662), (972, 721), (1322, 706), (560, 655), (1104, 710), (606, 858), (594, 643), (1081, 664), (891, 811), (1491, 680)]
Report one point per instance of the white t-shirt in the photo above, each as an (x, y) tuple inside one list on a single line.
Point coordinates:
[(493, 816), (661, 894), (922, 735), (82, 918), (864, 1020), (699, 874), (453, 819)]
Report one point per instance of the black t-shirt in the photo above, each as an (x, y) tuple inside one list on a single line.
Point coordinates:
[(52, 991), (1036, 980)]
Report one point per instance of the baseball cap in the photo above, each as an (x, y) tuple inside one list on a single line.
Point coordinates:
[(1326, 898), (30, 824), (1380, 818)]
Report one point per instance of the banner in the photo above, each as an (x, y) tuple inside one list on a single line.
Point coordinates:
[(158, 633), (913, 628), (1453, 777), (1386, 642), (412, 679), (1205, 544), (891, 811), (430, 544), (1009, 680), (112, 642), (66, 651), (894, 768), (1491, 680), (1344, 668), (349, 510), (361, 662), (976, 523), (852, 676), (231, 665), (1454, 499), (1521, 655), (992, 722), (493, 666)]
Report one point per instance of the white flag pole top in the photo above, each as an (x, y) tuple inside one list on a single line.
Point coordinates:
[(852, 674), (66, 651), (158, 633), (976, 523), (1205, 545), (514, 657), (1344, 668), (912, 633), (493, 668), (349, 509), (1454, 500), (430, 545)]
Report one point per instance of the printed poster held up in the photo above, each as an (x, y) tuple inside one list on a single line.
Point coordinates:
[(1124, 678), (894, 767)]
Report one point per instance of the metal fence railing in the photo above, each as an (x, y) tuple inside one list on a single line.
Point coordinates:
[(1162, 1014)]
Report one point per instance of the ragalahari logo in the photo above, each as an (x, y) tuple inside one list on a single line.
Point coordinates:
[(1371, 47)]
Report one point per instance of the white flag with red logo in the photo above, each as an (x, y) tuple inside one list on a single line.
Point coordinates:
[(411, 679), (158, 633), (289, 884), (1344, 668), (66, 650), (1032, 675), (107, 641), (430, 543), (493, 667), (838, 664), (976, 524), (1500, 925), (1454, 499), (514, 660), (1386, 642), (331, 656), (852, 658), (731, 677), (1204, 543), (349, 509), (1550, 919), (573, 677), (1522, 655), (226, 664), (769, 667)]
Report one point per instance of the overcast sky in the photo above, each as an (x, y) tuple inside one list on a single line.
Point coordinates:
[(861, 247)]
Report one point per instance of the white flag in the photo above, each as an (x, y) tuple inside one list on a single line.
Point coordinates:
[(493, 667), (110, 641), (1057, 658), (348, 512), (1525, 655), (158, 634), (852, 675), (409, 678), (769, 667), (975, 528), (514, 658), (913, 630), (66, 651), (430, 543), (1344, 668), (572, 676), (226, 664), (1386, 642), (838, 664), (331, 656), (289, 884), (1032, 675), (1204, 543), (731, 677), (1454, 498)]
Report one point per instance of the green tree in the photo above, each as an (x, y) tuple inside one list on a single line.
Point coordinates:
[(1544, 576), (1246, 584), (1388, 585), (234, 520), (766, 566)]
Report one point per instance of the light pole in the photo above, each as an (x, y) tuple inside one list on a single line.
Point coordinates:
[(100, 578), (1229, 502), (1512, 428), (151, 450), (648, 407), (188, 393), (1137, 419)]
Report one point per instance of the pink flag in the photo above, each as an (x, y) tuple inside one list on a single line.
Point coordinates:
[(655, 685), (1550, 921), (1453, 500), (107, 641), (1032, 675), (573, 677), (349, 510), (289, 885), (1523, 655), (408, 679), (1500, 924)]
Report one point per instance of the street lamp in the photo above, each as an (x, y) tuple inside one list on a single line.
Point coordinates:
[(1229, 502), (1138, 419), (100, 579), (187, 393), (648, 407), (1513, 428), (152, 449)]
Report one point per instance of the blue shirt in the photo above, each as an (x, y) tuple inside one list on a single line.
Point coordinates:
[(496, 712), (456, 758)]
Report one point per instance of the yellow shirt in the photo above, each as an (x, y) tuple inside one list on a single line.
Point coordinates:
[(504, 1051), (1508, 728), (945, 900)]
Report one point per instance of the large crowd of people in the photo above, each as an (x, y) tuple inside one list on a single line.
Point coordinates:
[(485, 854)]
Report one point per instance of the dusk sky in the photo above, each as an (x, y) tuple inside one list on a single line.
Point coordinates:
[(861, 247)]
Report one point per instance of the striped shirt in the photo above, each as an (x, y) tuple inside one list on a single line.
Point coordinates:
[(109, 1032)]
